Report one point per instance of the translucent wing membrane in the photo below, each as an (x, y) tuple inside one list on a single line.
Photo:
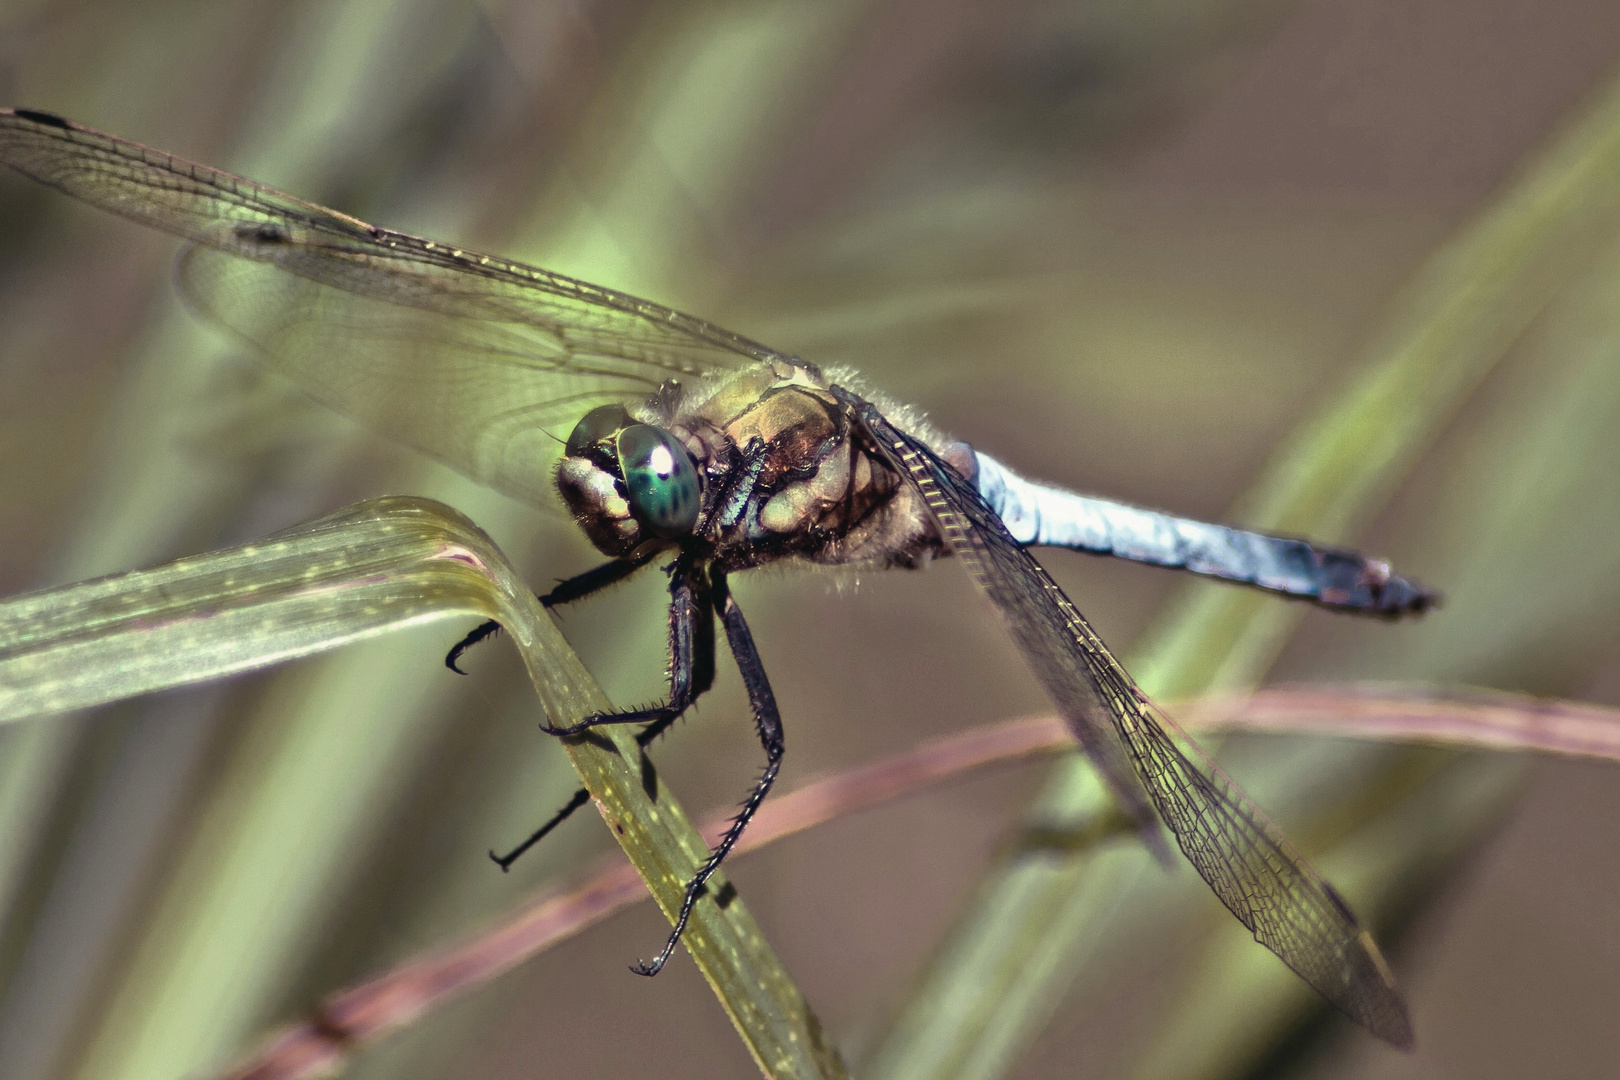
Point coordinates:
[(464, 356), (1243, 857)]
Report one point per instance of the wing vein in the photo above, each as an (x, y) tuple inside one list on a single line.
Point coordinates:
[(1243, 857)]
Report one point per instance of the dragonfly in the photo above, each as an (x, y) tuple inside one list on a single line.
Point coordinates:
[(696, 445)]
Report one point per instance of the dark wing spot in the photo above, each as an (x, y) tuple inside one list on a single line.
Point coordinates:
[(261, 232), (48, 119), (1338, 902)]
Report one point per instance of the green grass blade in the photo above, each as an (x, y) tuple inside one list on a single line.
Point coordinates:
[(363, 571), (374, 567)]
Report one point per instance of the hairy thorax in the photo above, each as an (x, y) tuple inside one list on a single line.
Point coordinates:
[(784, 477), (799, 483)]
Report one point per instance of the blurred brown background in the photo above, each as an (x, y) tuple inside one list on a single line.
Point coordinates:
[(1126, 247)]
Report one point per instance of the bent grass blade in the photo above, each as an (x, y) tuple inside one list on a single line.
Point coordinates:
[(371, 568), (378, 566)]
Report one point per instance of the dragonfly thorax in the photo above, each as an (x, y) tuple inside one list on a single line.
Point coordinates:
[(753, 470)]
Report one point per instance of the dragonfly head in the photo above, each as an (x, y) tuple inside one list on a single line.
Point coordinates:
[(627, 483)]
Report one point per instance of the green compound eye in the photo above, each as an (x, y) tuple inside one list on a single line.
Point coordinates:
[(598, 424), (665, 493)]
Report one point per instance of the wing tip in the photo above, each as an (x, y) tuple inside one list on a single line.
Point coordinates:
[(1387, 1018), (1378, 1006), (1398, 1032)]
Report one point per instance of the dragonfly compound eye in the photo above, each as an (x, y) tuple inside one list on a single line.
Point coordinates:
[(598, 425), (664, 490)]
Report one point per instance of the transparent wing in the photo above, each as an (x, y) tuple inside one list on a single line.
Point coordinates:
[(465, 356), (1256, 873)]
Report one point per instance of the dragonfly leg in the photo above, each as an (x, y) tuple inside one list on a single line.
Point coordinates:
[(768, 721), (691, 674), (644, 737), (566, 592), (579, 799), (691, 653)]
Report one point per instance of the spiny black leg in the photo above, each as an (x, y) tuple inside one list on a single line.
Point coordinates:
[(566, 592), (582, 585), (691, 653), (643, 737), (691, 674), (769, 724)]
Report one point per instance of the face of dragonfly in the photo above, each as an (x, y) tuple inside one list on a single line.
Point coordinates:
[(629, 484)]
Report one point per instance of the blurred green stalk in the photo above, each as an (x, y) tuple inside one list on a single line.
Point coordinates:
[(1540, 486), (251, 888), (1036, 918), (151, 496)]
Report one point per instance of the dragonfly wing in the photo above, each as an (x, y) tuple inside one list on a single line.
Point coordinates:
[(1244, 858), (492, 398), (459, 354)]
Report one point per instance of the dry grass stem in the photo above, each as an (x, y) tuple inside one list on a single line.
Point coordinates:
[(1463, 717)]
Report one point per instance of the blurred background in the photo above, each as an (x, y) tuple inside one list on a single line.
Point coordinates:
[(1130, 247)]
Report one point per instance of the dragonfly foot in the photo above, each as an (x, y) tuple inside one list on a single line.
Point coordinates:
[(641, 967), (482, 631), (596, 720)]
